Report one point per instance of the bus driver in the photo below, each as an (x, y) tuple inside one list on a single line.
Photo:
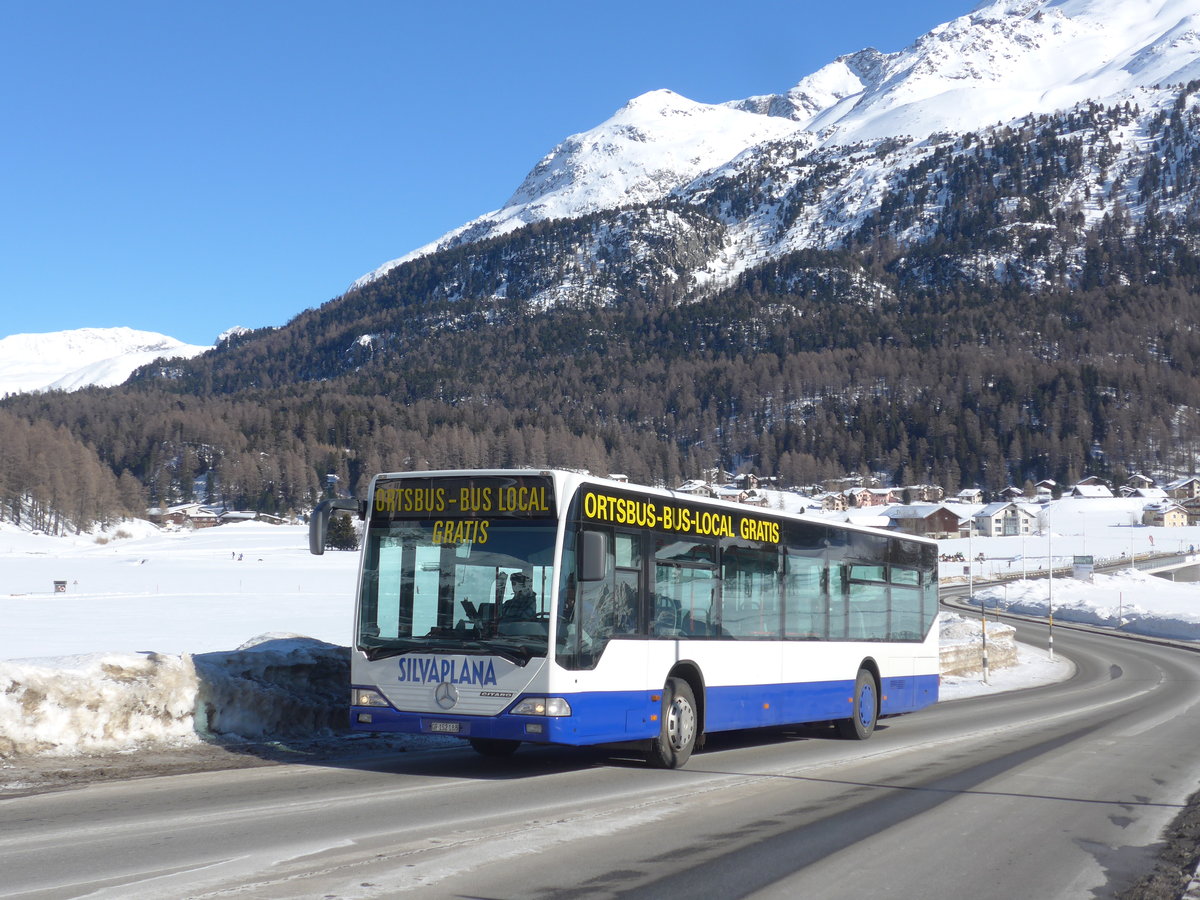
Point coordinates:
[(522, 605)]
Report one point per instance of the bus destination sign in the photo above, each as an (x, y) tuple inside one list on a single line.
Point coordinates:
[(457, 497), (660, 515)]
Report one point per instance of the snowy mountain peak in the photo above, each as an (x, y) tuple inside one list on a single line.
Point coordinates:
[(654, 143), (846, 76), (70, 360), (1001, 62), (231, 333), (1008, 59)]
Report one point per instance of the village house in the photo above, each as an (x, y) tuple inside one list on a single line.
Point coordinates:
[(865, 497), (844, 484), (833, 501), (935, 521), (1154, 494), (1091, 491), (1004, 520), (734, 494), (1184, 488), (1168, 514), (968, 495), (1045, 489), (697, 488), (749, 481), (925, 493), (194, 515)]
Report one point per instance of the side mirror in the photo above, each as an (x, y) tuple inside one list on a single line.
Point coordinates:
[(593, 556), (318, 525)]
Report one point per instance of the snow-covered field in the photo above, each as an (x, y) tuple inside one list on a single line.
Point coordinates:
[(169, 592), (161, 635)]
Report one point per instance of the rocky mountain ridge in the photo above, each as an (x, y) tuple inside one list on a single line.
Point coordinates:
[(1006, 62)]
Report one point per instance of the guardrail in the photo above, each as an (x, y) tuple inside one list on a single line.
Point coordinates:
[(1166, 560), (1144, 562)]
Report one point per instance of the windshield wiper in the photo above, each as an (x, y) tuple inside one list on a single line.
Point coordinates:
[(466, 648), (513, 651)]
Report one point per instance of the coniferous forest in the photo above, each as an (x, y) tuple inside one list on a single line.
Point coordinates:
[(1006, 339)]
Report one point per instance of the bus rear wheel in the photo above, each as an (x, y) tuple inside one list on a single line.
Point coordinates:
[(677, 727), (861, 724), (494, 747)]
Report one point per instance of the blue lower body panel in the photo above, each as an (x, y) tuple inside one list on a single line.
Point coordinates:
[(603, 718), (757, 706), (597, 718)]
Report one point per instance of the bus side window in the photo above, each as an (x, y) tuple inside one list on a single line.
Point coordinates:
[(684, 601), (806, 596), (607, 597), (626, 604), (750, 592), (627, 553)]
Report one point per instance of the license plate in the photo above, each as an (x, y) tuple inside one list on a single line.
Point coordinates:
[(445, 727)]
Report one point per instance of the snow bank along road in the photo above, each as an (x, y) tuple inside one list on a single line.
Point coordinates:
[(1057, 791)]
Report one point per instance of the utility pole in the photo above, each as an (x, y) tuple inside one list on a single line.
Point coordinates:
[(1050, 586), (971, 595)]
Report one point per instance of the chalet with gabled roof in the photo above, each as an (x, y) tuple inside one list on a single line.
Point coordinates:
[(925, 493), (833, 501), (697, 488), (1150, 494), (864, 497), (195, 515), (927, 520), (1004, 520), (1168, 514), (1184, 488), (1092, 491)]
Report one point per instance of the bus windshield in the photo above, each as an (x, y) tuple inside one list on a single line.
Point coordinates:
[(486, 590)]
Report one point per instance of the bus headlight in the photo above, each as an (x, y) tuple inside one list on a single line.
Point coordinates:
[(542, 706), (367, 697)]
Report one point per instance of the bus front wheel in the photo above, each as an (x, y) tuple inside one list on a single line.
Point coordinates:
[(861, 724), (677, 726)]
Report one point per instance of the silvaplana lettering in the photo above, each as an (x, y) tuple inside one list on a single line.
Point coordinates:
[(436, 669)]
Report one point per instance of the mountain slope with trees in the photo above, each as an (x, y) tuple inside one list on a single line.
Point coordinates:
[(1017, 303)]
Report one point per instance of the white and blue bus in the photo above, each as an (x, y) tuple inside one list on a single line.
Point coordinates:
[(554, 608)]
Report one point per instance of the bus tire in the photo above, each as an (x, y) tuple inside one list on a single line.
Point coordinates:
[(496, 748), (677, 727), (861, 724)]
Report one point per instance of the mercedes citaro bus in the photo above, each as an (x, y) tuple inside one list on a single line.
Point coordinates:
[(551, 607)]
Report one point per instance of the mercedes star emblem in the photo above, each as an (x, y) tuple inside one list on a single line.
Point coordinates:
[(446, 695)]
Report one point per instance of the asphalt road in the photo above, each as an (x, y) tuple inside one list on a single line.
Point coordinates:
[(1059, 791)]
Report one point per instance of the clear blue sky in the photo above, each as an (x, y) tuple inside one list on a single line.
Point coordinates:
[(187, 167)]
